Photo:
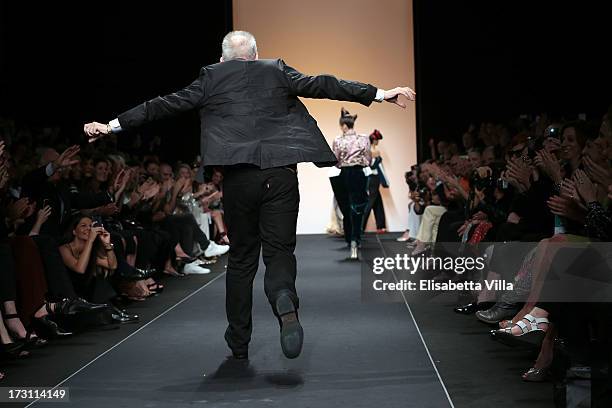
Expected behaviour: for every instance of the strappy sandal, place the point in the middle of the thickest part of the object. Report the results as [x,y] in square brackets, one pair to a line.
[223,239]
[530,332]
[174,273]
[156,287]
[31,339]
[536,374]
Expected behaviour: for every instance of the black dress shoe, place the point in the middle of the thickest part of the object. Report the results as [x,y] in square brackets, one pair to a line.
[69,307]
[124,318]
[497,313]
[136,274]
[292,334]
[240,355]
[121,316]
[472,308]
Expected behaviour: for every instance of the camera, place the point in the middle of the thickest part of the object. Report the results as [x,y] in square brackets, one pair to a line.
[423,191]
[502,184]
[481,183]
[534,145]
[412,185]
[552,131]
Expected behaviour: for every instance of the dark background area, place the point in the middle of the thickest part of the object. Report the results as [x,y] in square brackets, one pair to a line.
[66,64]
[488,60]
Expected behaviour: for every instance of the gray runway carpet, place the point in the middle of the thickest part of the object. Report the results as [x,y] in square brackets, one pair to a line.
[355,353]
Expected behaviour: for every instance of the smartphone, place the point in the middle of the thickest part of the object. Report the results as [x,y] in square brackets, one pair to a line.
[45,202]
[96,221]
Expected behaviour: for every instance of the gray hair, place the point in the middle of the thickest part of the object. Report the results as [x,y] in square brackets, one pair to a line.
[239,44]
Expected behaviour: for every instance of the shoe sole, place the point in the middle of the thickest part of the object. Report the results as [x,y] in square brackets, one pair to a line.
[292,334]
[531,339]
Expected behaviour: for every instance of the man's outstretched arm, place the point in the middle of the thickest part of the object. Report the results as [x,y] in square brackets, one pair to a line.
[330,87]
[158,108]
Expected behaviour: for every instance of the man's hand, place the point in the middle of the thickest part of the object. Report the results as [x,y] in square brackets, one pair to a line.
[96,130]
[392,95]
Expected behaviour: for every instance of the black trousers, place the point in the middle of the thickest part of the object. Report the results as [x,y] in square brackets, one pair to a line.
[184,229]
[261,209]
[375,203]
[356,185]
[339,189]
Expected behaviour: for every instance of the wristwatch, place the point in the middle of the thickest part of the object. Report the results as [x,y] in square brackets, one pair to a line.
[109,129]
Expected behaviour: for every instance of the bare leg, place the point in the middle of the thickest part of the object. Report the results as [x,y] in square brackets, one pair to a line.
[486,295]
[4,335]
[217,217]
[178,250]
[14,325]
[131,258]
[546,351]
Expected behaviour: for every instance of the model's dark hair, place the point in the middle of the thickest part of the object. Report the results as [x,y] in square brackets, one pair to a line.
[375,135]
[347,119]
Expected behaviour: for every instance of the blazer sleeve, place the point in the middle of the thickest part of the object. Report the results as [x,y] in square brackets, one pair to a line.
[165,106]
[327,87]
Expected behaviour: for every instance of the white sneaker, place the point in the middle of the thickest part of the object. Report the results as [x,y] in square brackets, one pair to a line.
[195,268]
[215,249]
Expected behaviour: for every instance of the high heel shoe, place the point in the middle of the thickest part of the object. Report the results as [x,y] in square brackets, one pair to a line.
[535,375]
[47,327]
[13,351]
[30,339]
[354,252]
[156,287]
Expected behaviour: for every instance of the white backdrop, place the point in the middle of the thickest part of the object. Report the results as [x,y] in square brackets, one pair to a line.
[365,40]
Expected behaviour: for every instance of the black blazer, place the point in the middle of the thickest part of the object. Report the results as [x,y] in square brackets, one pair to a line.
[250,112]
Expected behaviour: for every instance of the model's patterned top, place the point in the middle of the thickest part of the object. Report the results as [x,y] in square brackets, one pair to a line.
[352,149]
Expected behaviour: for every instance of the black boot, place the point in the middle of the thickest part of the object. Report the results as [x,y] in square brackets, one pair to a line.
[473,307]
[497,313]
